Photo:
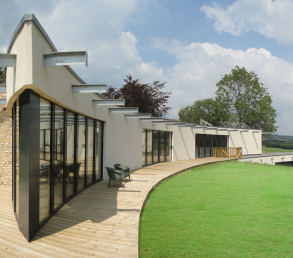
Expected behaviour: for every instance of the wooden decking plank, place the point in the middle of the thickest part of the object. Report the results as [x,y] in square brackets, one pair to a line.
[99,222]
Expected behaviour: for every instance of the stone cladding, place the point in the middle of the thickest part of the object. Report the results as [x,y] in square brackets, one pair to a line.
[5,145]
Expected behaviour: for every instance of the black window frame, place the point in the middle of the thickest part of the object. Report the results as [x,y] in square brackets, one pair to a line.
[31,108]
[151,132]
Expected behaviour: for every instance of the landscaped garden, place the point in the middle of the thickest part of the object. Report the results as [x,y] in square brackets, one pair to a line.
[229,209]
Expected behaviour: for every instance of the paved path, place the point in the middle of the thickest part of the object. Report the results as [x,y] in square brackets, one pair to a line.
[99,222]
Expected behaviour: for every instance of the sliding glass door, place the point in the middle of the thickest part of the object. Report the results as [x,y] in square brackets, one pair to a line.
[156,146]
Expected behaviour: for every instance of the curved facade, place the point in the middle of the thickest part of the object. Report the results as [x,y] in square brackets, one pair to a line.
[57,153]
[62,141]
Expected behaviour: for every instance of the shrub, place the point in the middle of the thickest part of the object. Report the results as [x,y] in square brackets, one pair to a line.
[273,144]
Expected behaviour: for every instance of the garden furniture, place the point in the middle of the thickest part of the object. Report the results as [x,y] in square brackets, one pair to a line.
[115,174]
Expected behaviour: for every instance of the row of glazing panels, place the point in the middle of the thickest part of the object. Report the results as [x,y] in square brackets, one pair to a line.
[156,146]
[70,156]
[204,144]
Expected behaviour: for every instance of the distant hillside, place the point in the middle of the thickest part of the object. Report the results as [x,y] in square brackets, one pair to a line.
[278,141]
[276,137]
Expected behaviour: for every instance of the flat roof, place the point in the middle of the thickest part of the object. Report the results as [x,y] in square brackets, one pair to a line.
[267,154]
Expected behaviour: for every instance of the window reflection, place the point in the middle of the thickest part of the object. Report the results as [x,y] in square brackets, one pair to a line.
[168,146]
[205,143]
[81,152]
[208,145]
[58,156]
[162,146]
[45,126]
[149,147]
[155,146]
[158,146]
[144,147]
[201,146]
[98,150]
[69,168]
[197,137]
[90,151]
[51,166]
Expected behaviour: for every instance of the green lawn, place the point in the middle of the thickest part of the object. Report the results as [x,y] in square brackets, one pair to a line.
[271,149]
[229,209]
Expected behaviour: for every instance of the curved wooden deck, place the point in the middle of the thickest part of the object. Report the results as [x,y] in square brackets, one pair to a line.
[99,222]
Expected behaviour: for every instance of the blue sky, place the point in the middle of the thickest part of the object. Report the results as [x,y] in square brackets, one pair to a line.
[189,44]
[185,21]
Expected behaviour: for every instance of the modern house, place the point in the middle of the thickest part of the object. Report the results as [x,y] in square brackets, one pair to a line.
[58,134]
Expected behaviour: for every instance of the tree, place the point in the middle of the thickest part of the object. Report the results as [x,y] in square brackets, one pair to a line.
[241,93]
[206,109]
[147,97]
[2,75]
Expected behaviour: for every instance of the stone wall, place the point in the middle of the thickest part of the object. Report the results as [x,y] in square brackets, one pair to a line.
[5,145]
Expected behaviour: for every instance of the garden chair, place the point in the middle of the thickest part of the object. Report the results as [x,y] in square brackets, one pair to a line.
[70,169]
[58,172]
[124,169]
[115,174]
[44,172]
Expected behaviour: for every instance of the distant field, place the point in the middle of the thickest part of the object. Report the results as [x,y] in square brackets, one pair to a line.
[271,149]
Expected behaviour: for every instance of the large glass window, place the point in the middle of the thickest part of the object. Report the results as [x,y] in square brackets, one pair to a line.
[69,168]
[225,141]
[90,151]
[44,141]
[58,156]
[168,146]
[201,145]
[215,141]
[220,141]
[143,151]
[80,152]
[45,169]
[162,146]
[204,144]
[98,150]
[197,137]
[208,145]
[149,147]
[68,144]
[157,145]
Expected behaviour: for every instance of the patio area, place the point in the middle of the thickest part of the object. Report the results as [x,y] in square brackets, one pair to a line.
[99,222]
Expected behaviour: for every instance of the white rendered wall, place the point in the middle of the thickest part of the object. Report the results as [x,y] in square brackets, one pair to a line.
[20,76]
[251,141]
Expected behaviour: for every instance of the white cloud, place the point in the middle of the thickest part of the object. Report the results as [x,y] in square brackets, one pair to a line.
[113,54]
[97,26]
[283,119]
[272,19]
[71,24]
[201,65]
